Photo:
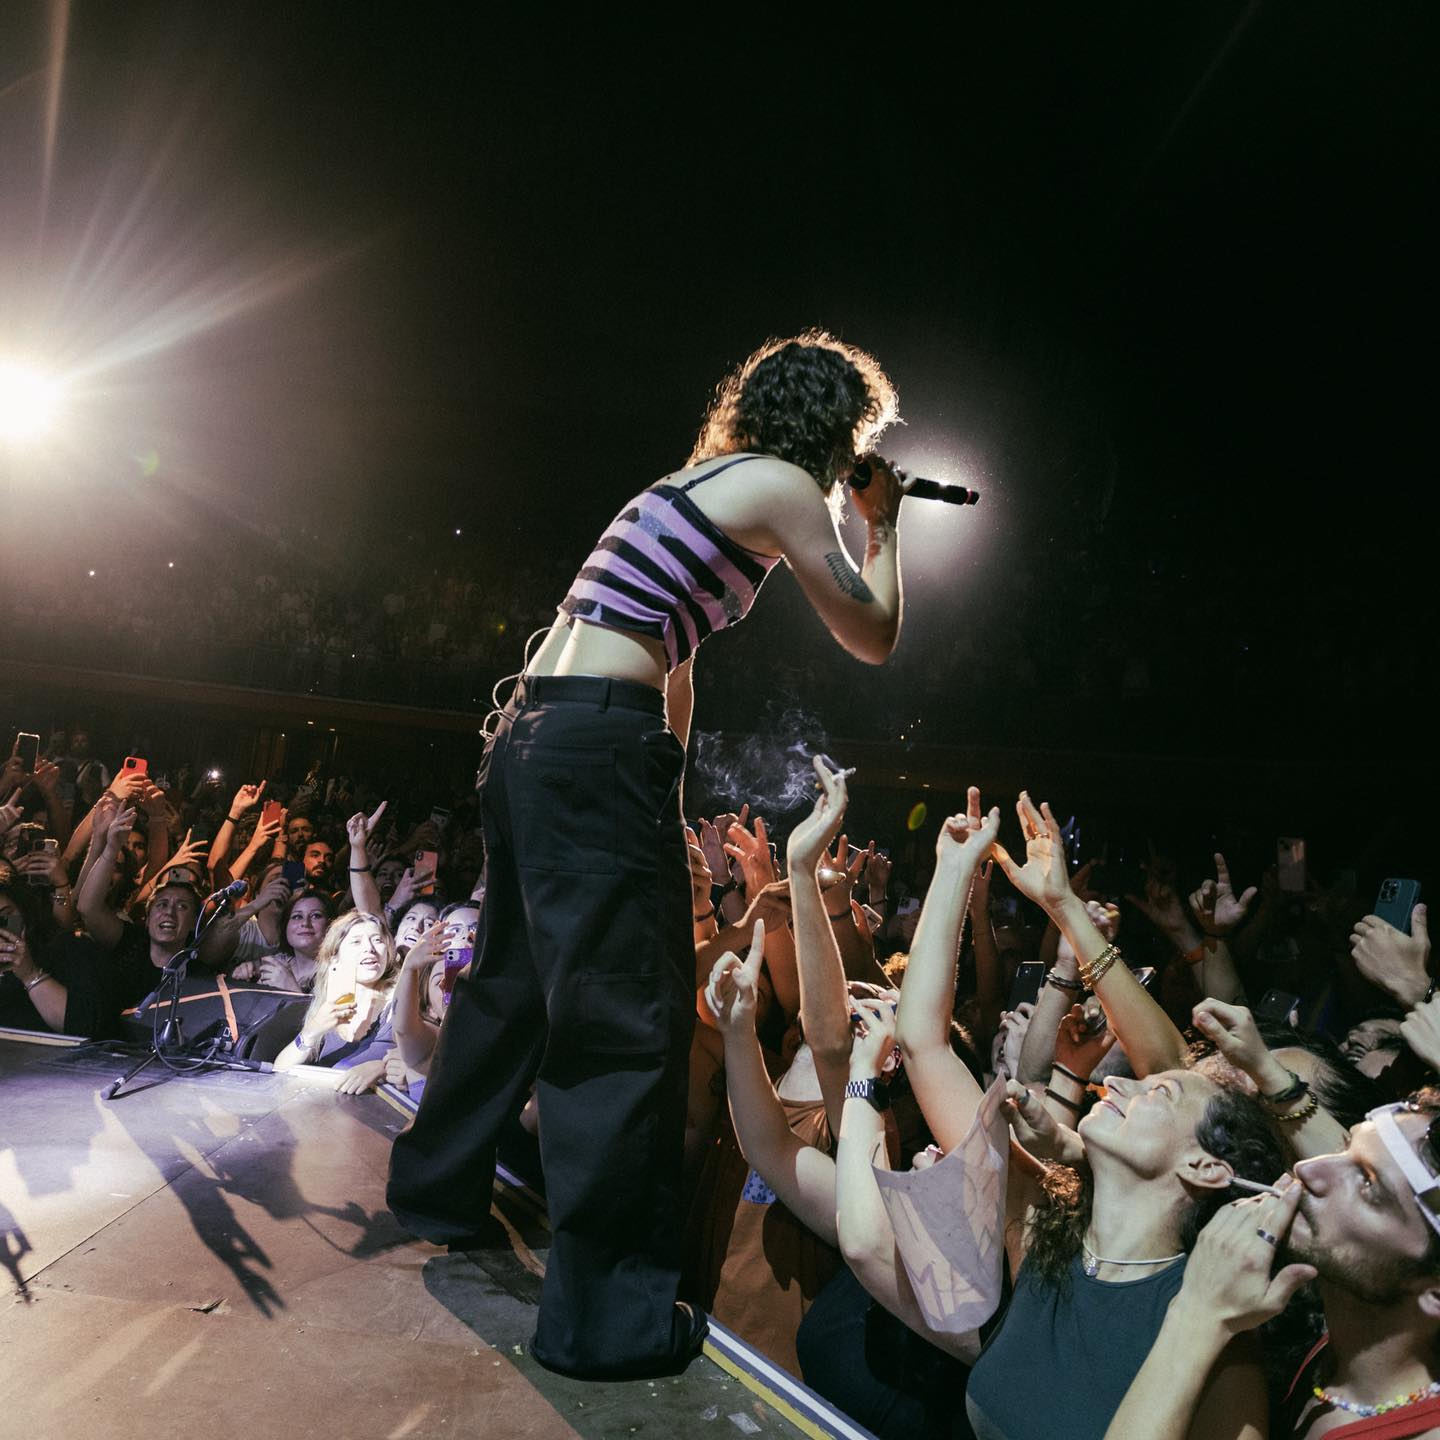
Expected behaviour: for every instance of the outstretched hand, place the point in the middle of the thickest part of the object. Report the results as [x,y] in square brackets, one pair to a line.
[1042,878]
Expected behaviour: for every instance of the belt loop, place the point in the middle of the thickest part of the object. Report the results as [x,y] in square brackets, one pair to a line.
[605,693]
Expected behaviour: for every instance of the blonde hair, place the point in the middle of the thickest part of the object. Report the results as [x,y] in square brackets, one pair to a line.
[330,948]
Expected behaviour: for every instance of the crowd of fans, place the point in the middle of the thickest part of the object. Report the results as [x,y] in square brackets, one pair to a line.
[860,1028]
[435,618]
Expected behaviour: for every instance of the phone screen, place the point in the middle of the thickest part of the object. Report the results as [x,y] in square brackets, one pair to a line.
[1026,986]
[1290,860]
[27,747]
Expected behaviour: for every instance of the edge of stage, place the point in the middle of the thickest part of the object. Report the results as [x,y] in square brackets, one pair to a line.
[214,1251]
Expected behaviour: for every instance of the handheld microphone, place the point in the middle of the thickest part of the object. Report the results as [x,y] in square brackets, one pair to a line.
[232,891]
[920,488]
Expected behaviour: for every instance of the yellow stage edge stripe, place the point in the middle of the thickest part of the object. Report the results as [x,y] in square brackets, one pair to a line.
[758,1387]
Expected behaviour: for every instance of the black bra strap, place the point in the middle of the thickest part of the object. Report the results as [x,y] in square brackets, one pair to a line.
[709,474]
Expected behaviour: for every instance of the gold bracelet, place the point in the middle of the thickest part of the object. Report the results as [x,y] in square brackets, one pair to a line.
[1093,972]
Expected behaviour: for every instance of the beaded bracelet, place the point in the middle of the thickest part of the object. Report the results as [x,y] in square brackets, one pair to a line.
[1310,1106]
[1060,983]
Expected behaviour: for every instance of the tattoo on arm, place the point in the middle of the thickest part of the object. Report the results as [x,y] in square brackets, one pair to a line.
[849,582]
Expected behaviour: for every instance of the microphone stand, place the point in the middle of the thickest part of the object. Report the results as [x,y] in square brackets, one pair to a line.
[167,1042]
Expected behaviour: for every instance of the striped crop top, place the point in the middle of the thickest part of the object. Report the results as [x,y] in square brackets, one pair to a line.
[664,570]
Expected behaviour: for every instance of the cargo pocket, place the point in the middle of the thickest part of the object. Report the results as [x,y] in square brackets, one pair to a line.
[623,1014]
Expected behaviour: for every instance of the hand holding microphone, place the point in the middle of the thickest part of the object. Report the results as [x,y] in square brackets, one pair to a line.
[870,468]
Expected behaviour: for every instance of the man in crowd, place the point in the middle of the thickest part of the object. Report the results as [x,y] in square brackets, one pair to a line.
[1364,1224]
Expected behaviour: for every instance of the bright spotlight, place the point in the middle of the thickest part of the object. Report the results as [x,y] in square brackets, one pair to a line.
[29,400]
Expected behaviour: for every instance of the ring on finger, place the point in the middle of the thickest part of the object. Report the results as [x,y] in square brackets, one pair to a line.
[1266,1236]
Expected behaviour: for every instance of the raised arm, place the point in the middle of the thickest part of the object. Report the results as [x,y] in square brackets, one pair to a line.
[360,827]
[945,1089]
[1219,912]
[103,924]
[800,1175]
[1148,1036]
[415,1036]
[867,1239]
[824,1000]
[1307,1128]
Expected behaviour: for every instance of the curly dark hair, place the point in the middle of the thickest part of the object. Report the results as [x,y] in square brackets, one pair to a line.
[1233,1128]
[811,399]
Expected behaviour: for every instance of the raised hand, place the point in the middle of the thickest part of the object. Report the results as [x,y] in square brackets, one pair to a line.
[48,864]
[1161,905]
[1080,880]
[13,774]
[809,839]
[771,906]
[46,776]
[712,846]
[191,854]
[247,797]
[873,1051]
[701,877]
[877,871]
[838,876]
[1078,1047]
[753,853]
[129,786]
[426,950]
[1420,1030]
[1227,1279]
[1398,963]
[1215,906]
[120,824]
[1042,878]
[968,836]
[1013,1025]
[360,828]
[1232,1029]
[732,992]
[1037,1129]
[10,812]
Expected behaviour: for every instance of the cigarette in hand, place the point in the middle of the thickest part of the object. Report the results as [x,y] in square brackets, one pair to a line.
[846,774]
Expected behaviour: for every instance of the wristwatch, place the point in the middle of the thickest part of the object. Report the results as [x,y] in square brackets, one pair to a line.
[873,1092]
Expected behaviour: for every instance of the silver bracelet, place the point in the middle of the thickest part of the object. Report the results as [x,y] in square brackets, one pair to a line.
[40,979]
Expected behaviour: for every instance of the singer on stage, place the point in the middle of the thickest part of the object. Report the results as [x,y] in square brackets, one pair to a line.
[584,976]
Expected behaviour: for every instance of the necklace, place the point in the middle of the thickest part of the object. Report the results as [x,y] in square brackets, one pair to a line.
[1093,1262]
[1398,1403]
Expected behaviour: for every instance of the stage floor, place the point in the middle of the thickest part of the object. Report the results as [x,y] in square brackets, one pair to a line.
[212,1256]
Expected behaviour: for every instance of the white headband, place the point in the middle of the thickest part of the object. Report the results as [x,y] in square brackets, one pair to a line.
[1423,1185]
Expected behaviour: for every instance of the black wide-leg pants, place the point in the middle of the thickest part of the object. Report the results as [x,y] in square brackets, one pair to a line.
[584,984]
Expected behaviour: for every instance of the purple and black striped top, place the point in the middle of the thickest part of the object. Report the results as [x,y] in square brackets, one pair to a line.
[664,570]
